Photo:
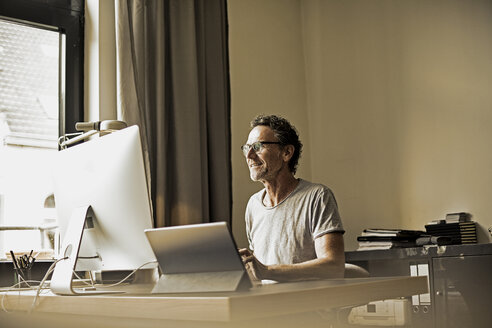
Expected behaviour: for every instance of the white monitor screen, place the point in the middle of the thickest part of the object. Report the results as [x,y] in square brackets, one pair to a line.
[108,174]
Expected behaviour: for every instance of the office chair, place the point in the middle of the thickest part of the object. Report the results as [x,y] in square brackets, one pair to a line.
[355,271]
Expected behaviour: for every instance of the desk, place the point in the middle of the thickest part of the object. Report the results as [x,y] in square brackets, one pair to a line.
[269,304]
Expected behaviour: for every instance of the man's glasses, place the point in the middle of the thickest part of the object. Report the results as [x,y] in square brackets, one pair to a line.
[257,146]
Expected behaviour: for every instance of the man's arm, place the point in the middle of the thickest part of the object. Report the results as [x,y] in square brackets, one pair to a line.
[330,262]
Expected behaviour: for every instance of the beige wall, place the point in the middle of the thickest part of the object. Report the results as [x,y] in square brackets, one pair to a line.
[393,98]
[267,76]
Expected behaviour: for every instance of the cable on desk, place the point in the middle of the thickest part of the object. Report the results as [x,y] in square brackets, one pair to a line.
[14,288]
[83,280]
[124,279]
[93,284]
[51,268]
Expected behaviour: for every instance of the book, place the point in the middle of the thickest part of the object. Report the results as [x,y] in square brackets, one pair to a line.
[366,245]
[458,217]
[372,238]
[453,235]
[458,232]
[391,232]
[456,225]
[386,238]
[438,221]
[373,246]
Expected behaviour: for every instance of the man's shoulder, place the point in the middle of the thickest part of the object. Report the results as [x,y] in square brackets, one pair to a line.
[313,187]
[257,196]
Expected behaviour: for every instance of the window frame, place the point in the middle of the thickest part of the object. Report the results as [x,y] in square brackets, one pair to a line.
[67,16]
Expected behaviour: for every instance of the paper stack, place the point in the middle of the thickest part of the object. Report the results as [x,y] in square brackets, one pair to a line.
[372,239]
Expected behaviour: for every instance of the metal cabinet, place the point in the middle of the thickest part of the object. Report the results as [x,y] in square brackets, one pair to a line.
[460,281]
[463,291]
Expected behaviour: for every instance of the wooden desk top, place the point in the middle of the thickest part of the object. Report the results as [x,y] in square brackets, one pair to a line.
[262,302]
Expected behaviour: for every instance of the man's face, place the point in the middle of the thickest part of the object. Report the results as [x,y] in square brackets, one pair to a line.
[264,165]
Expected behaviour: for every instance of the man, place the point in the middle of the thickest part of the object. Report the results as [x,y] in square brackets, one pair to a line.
[293,226]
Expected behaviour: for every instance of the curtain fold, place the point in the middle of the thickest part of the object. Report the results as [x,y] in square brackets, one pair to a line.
[172,64]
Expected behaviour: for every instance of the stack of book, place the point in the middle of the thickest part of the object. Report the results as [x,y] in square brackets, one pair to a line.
[372,239]
[457,226]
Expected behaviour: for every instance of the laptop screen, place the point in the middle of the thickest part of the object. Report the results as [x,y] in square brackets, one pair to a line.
[207,247]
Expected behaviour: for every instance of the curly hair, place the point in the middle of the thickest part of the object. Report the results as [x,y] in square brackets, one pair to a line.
[286,134]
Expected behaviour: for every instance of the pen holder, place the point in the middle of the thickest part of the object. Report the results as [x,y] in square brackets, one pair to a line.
[22,277]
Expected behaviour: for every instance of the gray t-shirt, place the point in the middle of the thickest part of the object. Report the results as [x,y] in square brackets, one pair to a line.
[285,233]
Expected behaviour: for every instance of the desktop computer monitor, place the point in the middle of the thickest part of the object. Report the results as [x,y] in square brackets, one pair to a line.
[107,174]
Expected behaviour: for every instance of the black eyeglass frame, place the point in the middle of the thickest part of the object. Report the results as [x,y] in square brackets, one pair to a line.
[246,148]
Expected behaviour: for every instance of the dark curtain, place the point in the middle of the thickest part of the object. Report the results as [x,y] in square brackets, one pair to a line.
[173,81]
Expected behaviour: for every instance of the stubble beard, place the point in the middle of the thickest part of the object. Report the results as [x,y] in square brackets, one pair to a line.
[257,175]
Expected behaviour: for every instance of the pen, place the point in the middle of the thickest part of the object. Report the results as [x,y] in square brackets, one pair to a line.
[16,266]
[23,262]
[14,260]
[30,260]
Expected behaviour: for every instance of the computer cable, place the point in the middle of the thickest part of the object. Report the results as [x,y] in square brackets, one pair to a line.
[48,272]
[124,279]
[38,291]
[16,288]
[82,280]
[94,284]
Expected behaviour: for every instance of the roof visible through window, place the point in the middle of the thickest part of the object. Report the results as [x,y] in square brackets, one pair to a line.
[29,85]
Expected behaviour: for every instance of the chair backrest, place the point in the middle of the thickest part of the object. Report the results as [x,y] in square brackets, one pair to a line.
[355,271]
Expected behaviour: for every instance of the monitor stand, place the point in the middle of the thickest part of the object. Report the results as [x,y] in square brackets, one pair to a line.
[61,281]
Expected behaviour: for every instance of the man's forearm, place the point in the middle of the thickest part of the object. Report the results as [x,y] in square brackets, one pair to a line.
[314,269]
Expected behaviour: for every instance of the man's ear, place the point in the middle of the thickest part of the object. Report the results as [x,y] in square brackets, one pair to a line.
[288,152]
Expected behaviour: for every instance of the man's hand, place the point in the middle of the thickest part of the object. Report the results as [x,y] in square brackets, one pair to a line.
[330,262]
[255,268]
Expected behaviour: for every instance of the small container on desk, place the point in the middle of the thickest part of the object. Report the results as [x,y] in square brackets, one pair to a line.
[22,269]
[22,278]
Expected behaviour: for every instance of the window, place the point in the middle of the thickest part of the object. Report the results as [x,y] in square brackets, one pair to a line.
[41,98]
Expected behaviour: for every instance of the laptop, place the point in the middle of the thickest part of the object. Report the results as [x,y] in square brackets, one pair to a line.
[198,258]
